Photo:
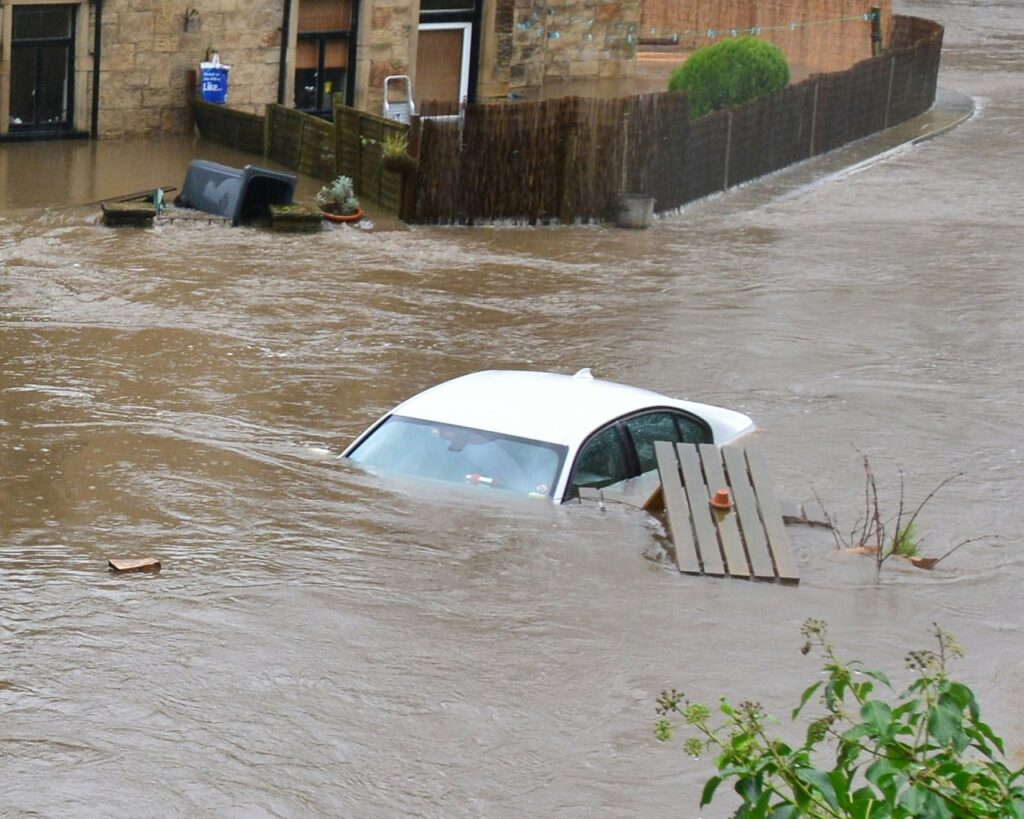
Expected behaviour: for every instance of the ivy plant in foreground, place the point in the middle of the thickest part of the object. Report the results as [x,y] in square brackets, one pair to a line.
[924,752]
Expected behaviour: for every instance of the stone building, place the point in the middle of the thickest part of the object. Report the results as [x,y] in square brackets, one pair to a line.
[816,36]
[127,67]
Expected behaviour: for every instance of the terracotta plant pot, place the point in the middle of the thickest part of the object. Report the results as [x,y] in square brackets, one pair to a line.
[331,216]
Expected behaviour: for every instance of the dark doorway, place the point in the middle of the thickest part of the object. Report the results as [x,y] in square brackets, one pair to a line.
[42,68]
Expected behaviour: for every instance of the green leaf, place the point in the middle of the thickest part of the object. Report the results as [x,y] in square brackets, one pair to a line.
[935,807]
[821,783]
[988,734]
[878,770]
[880,676]
[709,790]
[887,778]
[808,693]
[785,811]
[866,806]
[749,788]
[945,724]
[841,785]
[913,799]
[877,715]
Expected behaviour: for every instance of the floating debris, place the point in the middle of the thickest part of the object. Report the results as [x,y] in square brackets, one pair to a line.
[134,564]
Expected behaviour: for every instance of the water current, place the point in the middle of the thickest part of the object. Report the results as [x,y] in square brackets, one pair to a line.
[322,641]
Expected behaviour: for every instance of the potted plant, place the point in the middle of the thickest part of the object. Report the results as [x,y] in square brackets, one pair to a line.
[338,201]
[394,153]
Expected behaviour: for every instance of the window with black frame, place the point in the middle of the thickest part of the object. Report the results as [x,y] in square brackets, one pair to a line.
[325,41]
[42,65]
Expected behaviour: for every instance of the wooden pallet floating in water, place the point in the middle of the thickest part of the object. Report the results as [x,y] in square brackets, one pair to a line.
[747,540]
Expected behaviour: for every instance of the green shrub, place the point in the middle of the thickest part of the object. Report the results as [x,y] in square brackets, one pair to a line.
[875,752]
[730,72]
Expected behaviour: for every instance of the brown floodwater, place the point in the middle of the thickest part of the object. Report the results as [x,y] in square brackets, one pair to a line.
[322,641]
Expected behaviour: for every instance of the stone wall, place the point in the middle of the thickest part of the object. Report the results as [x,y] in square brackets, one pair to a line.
[816,36]
[148,51]
[541,43]
[386,42]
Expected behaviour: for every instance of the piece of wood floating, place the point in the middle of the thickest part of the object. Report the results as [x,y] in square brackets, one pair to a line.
[703,514]
[745,539]
[135,564]
[726,522]
[295,218]
[785,565]
[135,214]
[678,509]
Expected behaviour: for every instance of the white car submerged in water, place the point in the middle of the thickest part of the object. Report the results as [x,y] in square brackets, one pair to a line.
[536,433]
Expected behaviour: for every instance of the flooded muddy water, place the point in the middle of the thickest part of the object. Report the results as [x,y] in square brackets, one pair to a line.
[322,641]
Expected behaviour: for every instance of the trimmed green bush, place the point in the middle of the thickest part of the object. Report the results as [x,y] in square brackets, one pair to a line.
[730,72]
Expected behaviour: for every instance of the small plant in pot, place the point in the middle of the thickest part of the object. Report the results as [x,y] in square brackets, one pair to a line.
[338,200]
[394,153]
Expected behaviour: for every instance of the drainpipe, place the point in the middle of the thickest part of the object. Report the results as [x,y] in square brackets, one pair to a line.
[282,68]
[94,125]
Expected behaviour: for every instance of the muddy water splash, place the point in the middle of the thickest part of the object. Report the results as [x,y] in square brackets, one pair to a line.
[324,641]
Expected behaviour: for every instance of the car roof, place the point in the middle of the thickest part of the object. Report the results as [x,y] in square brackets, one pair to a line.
[552,407]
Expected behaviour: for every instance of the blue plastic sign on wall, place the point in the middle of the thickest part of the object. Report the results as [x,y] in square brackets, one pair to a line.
[213,79]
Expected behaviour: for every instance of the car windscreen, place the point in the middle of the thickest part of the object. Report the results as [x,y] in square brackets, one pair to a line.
[445,452]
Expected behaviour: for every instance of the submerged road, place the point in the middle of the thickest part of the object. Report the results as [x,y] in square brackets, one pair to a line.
[322,641]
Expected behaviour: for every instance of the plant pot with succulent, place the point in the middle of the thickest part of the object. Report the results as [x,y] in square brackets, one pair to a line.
[338,201]
[394,153]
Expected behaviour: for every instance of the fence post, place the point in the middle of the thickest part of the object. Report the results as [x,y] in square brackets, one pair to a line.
[814,118]
[268,114]
[407,200]
[728,150]
[565,211]
[624,180]
[888,98]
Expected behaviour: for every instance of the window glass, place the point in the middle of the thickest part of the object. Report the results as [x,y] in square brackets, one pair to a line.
[324,15]
[663,426]
[447,5]
[601,462]
[42,22]
[645,430]
[692,430]
[456,454]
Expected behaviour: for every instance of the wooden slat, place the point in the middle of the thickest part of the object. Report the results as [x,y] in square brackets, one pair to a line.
[785,565]
[676,506]
[700,510]
[754,537]
[732,545]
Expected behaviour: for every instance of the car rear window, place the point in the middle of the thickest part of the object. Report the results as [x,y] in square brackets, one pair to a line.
[429,449]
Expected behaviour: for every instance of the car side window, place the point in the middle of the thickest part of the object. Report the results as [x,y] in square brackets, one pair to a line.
[663,426]
[602,461]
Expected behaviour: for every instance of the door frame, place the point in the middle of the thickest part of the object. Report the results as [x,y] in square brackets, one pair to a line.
[467,51]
